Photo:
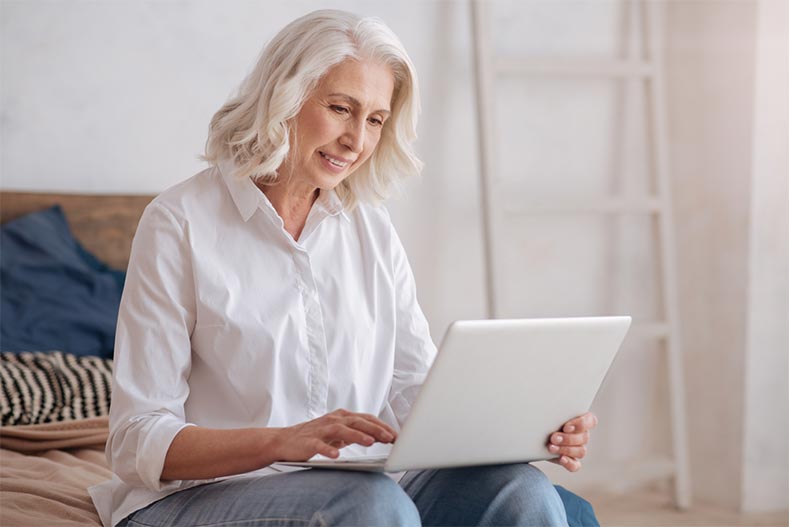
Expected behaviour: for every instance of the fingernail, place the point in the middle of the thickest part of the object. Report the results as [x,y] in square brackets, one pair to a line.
[570,428]
[558,438]
[388,436]
[554,448]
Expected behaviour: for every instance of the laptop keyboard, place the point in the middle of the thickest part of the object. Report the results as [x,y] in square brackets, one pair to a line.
[355,460]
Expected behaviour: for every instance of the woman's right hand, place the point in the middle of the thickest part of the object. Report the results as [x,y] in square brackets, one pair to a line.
[329,433]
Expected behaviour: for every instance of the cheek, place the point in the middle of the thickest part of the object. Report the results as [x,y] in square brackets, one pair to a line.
[315,130]
[371,144]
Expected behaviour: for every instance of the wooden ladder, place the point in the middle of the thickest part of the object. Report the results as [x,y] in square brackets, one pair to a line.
[637,70]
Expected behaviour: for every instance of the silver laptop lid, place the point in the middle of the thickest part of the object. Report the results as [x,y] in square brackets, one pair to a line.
[498,388]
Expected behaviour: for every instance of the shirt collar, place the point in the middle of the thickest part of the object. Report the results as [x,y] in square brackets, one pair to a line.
[248,197]
[331,204]
[245,194]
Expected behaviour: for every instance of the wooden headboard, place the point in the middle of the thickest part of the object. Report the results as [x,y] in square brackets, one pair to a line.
[104,225]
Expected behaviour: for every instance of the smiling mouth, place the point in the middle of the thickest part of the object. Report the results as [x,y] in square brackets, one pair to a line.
[335,161]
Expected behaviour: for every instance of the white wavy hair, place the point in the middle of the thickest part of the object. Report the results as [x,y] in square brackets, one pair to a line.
[253,127]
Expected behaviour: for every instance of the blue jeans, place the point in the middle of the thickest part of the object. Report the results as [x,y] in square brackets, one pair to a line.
[517,494]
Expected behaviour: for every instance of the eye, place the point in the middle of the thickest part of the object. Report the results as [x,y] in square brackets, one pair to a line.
[339,109]
[375,121]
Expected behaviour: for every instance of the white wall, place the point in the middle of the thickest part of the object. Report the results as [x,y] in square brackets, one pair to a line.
[728,116]
[116,97]
[711,91]
[765,460]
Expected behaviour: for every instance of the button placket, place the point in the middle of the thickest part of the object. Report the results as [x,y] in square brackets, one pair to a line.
[318,357]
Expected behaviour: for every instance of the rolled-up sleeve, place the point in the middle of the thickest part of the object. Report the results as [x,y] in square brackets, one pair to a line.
[414,349]
[152,351]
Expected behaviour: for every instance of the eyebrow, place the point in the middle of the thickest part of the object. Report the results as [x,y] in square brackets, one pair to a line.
[355,102]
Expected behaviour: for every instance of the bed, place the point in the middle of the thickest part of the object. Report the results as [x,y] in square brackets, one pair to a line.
[46,467]
[55,398]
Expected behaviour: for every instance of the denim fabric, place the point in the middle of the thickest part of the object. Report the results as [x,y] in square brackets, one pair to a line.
[516,494]
[579,511]
[304,498]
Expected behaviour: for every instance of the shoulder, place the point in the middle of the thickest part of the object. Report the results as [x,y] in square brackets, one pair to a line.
[195,192]
[373,221]
[199,196]
[376,223]
[374,216]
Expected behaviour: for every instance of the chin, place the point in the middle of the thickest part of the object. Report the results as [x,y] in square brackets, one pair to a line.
[330,182]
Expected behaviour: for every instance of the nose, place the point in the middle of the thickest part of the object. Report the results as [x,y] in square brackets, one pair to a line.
[353,137]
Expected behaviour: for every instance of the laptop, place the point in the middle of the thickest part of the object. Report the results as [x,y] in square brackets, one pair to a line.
[496,391]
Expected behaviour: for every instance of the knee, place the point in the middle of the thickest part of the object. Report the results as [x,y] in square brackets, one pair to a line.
[536,498]
[375,499]
[389,503]
[525,497]
[536,481]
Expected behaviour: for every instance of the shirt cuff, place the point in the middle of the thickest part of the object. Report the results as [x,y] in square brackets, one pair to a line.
[155,441]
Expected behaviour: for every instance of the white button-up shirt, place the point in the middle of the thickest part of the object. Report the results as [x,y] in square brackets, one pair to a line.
[227,322]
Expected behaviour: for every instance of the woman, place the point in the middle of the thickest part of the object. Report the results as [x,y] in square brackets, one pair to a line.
[270,313]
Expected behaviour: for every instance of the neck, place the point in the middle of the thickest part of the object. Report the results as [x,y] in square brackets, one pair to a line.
[292,201]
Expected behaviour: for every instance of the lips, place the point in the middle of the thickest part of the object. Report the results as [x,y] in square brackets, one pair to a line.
[338,162]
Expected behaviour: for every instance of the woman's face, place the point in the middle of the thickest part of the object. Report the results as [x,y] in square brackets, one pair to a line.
[340,124]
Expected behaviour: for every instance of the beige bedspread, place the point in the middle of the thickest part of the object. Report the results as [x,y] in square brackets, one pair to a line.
[45,471]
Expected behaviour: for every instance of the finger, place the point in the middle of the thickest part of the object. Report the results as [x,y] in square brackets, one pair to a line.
[378,422]
[380,433]
[325,449]
[561,439]
[344,415]
[341,432]
[581,423]
[568,463]
[577,452]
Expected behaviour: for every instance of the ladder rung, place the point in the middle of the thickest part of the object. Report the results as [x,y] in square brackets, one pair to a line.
[583,206]
[574,67]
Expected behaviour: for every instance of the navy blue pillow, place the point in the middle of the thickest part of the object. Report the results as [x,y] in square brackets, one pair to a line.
[55,295]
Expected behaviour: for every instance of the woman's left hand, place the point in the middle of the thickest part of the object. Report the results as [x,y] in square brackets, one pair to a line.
[570,443]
